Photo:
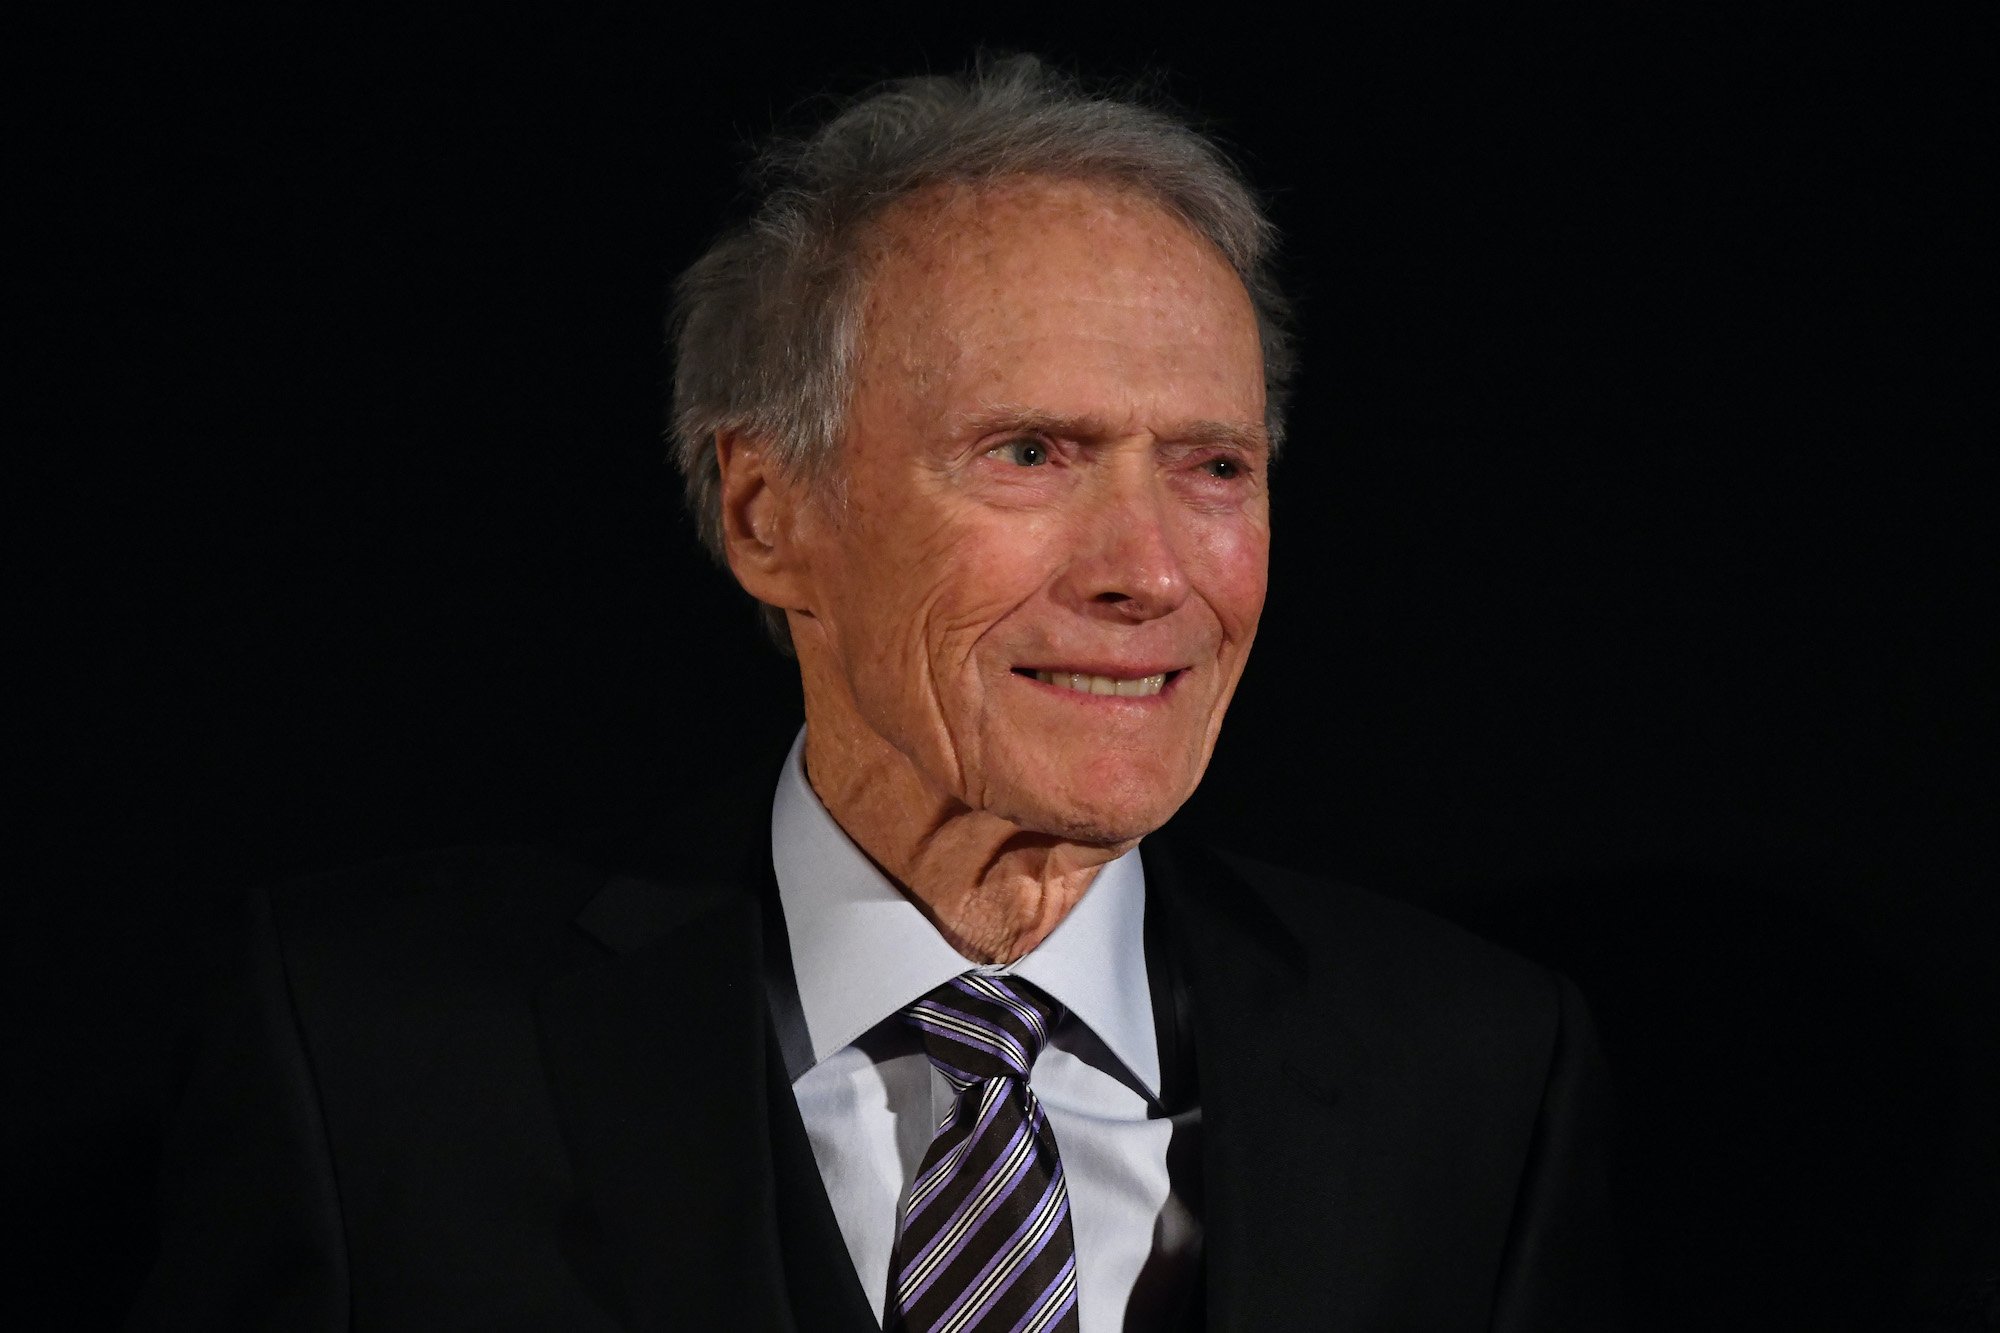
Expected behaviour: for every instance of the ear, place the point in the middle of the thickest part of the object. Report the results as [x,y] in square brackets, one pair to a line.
[759,528]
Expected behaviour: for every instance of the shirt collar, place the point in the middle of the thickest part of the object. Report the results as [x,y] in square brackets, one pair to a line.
[862,951]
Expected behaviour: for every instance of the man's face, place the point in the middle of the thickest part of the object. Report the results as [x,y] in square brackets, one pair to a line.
[1054,476]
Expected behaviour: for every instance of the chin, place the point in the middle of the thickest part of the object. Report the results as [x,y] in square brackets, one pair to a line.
[1100,815]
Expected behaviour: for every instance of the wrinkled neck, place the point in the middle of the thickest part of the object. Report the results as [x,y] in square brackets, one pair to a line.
[992,889]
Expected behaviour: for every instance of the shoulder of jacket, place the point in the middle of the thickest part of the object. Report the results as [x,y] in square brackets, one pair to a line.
[469,877]
[1400,952]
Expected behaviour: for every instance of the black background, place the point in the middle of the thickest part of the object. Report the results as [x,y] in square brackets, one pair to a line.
[1630,600]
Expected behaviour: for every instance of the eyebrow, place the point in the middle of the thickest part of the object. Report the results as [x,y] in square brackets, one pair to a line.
[1250,437]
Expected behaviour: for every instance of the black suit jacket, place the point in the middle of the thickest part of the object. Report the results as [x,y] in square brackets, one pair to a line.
[504,1089]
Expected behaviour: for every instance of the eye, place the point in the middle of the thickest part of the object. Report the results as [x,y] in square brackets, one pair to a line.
[1024,452]
[1226,469]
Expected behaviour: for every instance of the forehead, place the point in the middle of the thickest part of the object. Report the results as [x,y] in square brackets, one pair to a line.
[1036,270]
[962,229]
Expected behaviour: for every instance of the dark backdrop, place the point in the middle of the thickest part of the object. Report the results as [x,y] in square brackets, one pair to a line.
[1629,602]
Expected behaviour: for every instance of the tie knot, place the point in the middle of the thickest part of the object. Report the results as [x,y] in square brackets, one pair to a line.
[978,1027]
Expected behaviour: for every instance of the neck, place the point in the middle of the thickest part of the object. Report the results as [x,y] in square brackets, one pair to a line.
[993,889]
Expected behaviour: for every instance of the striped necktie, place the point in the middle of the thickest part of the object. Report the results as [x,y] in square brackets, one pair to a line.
[985,1243]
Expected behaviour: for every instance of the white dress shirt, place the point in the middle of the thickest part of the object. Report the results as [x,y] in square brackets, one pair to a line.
[861,952]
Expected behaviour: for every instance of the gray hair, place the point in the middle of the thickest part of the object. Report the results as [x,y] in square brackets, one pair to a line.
[766,324]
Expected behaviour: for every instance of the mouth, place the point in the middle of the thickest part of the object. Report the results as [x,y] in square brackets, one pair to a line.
[1145,686]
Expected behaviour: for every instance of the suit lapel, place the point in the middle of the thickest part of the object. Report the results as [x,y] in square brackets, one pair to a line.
[657,1064]
[818,1270]
[1281,1089]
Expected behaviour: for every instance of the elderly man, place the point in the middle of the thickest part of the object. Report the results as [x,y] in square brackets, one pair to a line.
[980,405]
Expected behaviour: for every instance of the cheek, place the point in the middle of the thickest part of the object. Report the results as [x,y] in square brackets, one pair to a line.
[1234,572]
[982,567]
[921,589]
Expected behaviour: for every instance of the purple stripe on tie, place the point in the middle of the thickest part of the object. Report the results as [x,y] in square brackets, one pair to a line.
[967,1189]
[920,1197]
[1007,1058]
[1006,1188]
[993,992]
[973,1208]
[1003,1004]
[1043,1220]
[1052,1303]
[984,1014]
[996,1041]
[959,1079]
[962,1053]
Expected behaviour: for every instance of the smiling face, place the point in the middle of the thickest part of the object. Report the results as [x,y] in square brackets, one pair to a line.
[1034,586]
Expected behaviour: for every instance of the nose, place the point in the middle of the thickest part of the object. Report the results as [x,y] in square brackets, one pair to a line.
[1127,563]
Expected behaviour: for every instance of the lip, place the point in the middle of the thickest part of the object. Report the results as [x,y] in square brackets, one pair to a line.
[1100,667]
[1081,699]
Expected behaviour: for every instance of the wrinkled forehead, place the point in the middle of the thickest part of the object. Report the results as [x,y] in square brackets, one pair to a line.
[973,264]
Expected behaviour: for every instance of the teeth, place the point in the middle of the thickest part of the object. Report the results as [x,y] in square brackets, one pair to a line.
[1137,688]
